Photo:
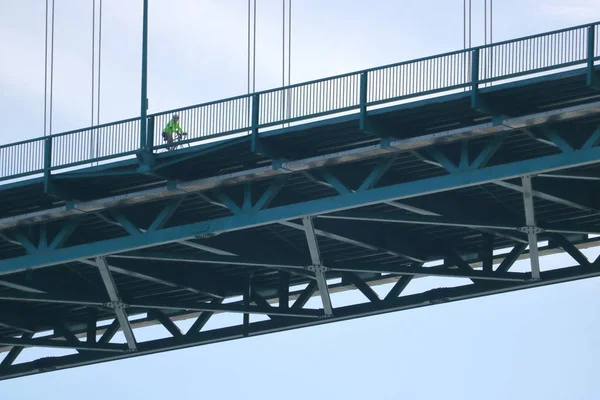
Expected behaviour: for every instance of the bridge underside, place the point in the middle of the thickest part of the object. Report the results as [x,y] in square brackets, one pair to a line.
[434,202]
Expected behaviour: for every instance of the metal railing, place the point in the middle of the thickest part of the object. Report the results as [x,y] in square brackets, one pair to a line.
[300,102]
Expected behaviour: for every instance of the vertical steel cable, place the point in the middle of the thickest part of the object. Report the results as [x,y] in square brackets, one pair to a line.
[99,65]
[91,156]
[491,19]
[283,44]
[93,53]
[248,101]
[470,36]
[248,47]
[283,97]
[254,52]
[51,66]
[99,61]
[46,73]
[464,41]
[289,106]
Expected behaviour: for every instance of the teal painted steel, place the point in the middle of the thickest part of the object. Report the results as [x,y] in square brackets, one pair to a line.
[307,101]
[592,78]
[352,200]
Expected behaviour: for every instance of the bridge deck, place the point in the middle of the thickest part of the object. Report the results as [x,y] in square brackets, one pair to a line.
[218,228]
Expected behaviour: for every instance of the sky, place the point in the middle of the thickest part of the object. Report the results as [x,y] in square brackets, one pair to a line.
[540,343]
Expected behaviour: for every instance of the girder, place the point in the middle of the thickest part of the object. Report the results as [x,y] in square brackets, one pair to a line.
[361,202]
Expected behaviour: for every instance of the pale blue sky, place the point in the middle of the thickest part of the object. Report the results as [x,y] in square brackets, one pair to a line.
[540,343]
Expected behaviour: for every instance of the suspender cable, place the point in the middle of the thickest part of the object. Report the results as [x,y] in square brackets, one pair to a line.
[92,133]
[254,52]
[283,94]
[283,44]
[51,66]
[46,72]
[464,24]
[290,44]
[289,104]
[485,21]
[99,61]
[491,19]
[470,36]
[248,47]
[93,53]
[465,40]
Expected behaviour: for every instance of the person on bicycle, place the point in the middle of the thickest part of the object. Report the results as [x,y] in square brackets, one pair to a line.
[172,127]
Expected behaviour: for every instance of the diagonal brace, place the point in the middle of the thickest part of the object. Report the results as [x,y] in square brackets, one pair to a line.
[319,270]
[531,230]
[270,193]
[63,235]
[115,299]
[165,214]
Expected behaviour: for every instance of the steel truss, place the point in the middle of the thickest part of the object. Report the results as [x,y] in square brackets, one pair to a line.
[366,204]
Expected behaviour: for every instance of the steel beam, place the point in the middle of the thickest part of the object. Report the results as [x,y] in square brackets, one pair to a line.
[12,355]
[270,193]
[187,243]
[511,258]
[571,175]
[176,283]
[365,152]
[202,319]
[92,322]
[531,228]
[284,290]
[377,173]
[416,210]
[315,256]
[299,210]
[20,287]
[457,222]
[212,260]
[573,251]
[363,287]
[63,235]
[342,313]
[405,253]
[549,197]
[61,344]
[305,295]
[166,322]
[232,308]
[113,294]
[398,287]
[166,213]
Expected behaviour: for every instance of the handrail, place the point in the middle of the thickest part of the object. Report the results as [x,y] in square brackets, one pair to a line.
[444,72]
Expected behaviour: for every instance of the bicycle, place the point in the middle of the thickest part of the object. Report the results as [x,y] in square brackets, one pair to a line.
[179,137]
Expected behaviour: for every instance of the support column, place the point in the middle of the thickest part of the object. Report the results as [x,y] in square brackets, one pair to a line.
[116,302]
[531,228]
[317,265]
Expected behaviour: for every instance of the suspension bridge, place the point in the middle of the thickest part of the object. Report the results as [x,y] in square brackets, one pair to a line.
[453,166]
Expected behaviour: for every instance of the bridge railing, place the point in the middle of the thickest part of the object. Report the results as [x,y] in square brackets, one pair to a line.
[218,118]
[464,69]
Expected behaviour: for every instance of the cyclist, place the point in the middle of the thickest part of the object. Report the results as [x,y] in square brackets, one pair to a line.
[172,127]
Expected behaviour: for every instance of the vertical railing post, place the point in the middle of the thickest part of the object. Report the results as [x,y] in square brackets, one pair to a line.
[591,45]
[150,135]
[255,121]
[362,100]
[47,162]
[475,101]
[144,97]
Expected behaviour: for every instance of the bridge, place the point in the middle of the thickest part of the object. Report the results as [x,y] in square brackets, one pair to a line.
[451,167]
